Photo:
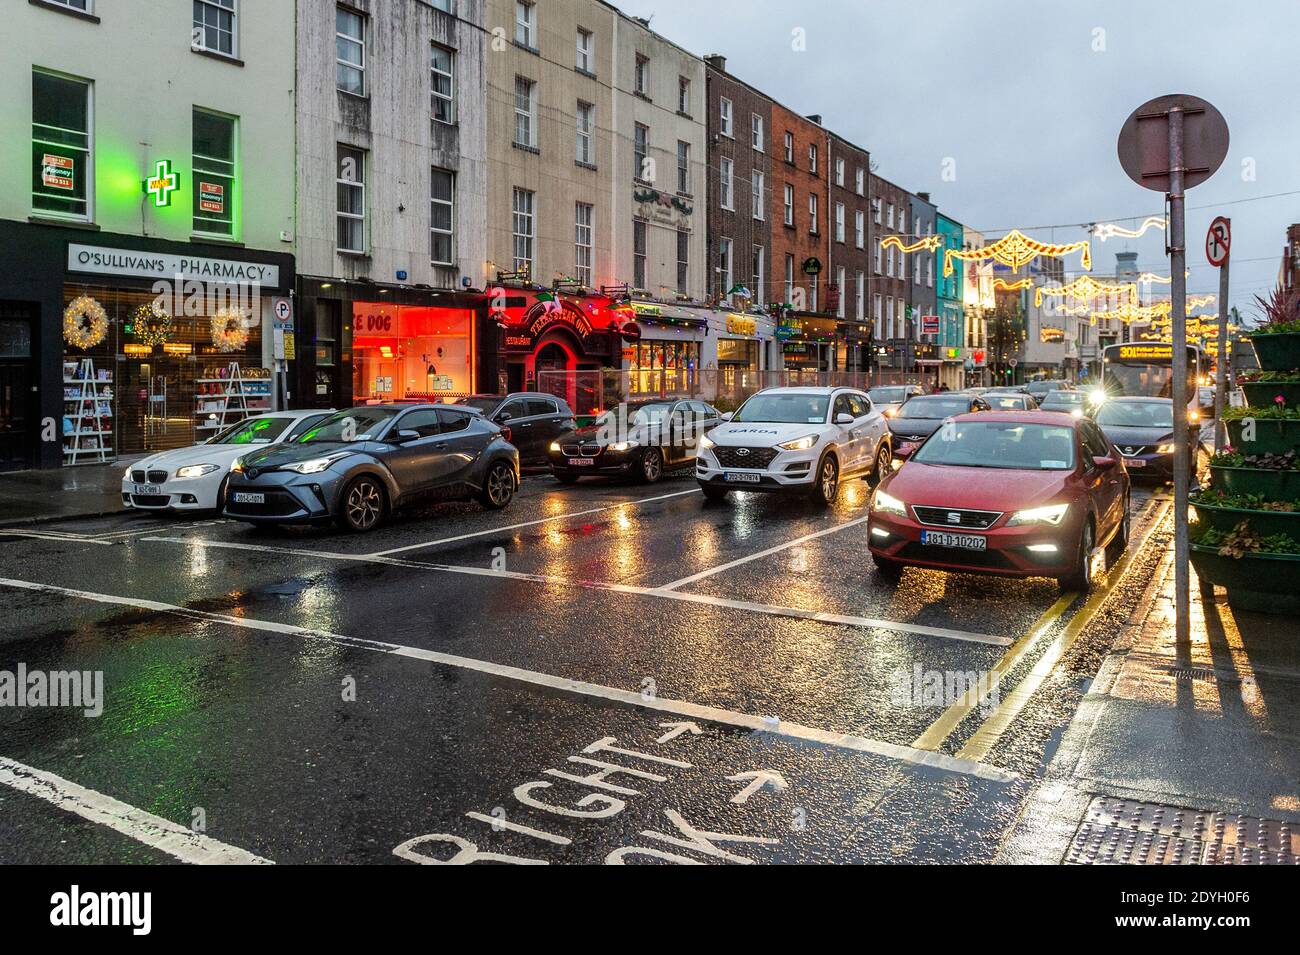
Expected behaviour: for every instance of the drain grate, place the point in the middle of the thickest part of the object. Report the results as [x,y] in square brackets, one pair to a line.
[1127,832]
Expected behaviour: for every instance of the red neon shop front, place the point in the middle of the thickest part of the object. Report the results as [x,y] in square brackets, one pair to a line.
[559,345]
[412,352]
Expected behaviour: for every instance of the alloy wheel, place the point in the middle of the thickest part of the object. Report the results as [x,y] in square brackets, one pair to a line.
[829,480]
[651,465]
[364,505]
[500,485]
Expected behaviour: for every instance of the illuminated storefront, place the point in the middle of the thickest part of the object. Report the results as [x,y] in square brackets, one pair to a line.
[412,352]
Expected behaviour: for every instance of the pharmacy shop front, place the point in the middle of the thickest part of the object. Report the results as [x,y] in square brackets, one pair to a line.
[142,346]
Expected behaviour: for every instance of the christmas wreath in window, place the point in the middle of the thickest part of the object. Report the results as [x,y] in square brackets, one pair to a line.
[152,324]
[229,330]
[85,323]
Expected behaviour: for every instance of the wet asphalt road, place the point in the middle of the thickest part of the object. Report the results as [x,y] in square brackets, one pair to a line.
[309,696]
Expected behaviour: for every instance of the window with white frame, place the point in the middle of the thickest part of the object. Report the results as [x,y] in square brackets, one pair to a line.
[879,256]
[860,184]
[525,112]
[902,219]
[725,284]
[889,263]
[62,145]
[889,316]
[812,212]
[861,311]
[860,229]
[889,219]
[839,222]
[757,189]
[350,51]
[525,24]
[789,147]
[726,184]
[839,285]
[724,117]
[876,209]
[756,289]
[756,131]
[586,51]
[640,152]
[916,269]
[85,6]
[215,24]
[683,261]
[524,229]
[442,84]
[640,240]
[442,216]
[215,141]
[839,172]
[583,151]
[641,75]
[789,204]
[789,278]
[683,166]
[813,292]
[812,157]
[351,205]
[584,213]
[683,95]
[929,271]
[875,317]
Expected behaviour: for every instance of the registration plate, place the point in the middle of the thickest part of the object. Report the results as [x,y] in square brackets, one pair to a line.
[581,462]
[249,497]
[907,447]
[739,477]
[147,489]
[1134,463]
[959,541]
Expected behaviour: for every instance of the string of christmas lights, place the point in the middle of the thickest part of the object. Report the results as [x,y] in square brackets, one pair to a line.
[1016,250]
[1085,286]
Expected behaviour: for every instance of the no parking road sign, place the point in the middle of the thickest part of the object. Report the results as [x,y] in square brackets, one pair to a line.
[1218,240]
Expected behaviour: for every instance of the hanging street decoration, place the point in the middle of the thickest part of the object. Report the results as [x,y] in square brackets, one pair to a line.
[1128,312]
[162,183]
[1002,285]
[928,242]
[85,323]
[1016,250]
[1106,230]
[1085,286]
[152,324]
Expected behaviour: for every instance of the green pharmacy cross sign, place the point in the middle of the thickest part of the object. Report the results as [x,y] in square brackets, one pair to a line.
[162,183]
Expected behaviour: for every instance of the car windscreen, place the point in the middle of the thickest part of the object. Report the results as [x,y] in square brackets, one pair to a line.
[636,414]
[355,424]
[784,409]
[1000,444]
[934,407]
[1066,398]
[253,431]
[1005,402]
[887,395]
[1136,414]
[480,404]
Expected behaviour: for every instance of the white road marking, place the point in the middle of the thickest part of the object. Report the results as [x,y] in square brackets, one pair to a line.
[758,780]
[761,554]
[540,520]
[709,600]
[144,827]
[51,536]
[632,698]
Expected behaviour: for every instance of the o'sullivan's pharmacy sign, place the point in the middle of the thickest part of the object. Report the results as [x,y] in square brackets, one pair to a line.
[156,265]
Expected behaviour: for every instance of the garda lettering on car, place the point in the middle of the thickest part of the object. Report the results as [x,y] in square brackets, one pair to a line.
[752,431]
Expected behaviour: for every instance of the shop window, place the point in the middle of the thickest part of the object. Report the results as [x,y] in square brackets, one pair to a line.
[411,352]
[351,199]
[61,145]
[442,199]
[663,368]
[350,51]
[215,26]
[214,173]
[442,84]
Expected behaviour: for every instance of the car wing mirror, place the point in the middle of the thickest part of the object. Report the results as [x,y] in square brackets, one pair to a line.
[403,436]
[726,415]
[844,418]
[503,417]
[1104,462]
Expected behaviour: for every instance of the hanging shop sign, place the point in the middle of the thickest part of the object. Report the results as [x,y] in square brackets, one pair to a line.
[160,265]
[649,309]
[545,316]
[630,332]
[162,183]
[58,172]
[929,324]
[812,266]
[741,325]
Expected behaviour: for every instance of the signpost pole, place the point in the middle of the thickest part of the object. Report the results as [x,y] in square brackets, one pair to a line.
[1221,373]
[1178,317]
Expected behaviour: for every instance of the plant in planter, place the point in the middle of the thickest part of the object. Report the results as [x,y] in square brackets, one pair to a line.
[1277,340]
[1272,427]
[1271,386]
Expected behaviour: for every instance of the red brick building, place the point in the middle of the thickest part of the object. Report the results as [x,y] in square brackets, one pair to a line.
[851,232]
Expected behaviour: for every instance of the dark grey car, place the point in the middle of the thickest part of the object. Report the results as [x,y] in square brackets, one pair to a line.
[534,419]
[358,466]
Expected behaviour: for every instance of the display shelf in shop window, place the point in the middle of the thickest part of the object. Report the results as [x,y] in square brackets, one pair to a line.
[226,395]
[87,413]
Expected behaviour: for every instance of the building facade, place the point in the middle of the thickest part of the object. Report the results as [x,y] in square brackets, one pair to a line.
[851,241]
[951,339]
[891,210]
[147,220]
[921,288]
[978,303]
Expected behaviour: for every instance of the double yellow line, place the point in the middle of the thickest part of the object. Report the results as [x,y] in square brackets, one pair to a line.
[1006,710]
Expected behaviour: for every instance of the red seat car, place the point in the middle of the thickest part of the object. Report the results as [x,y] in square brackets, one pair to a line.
[1022,494]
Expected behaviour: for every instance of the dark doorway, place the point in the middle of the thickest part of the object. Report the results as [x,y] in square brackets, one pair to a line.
[19,424]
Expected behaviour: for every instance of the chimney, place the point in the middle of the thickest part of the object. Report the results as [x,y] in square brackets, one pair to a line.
[716,61]
[923,196]
[815,117]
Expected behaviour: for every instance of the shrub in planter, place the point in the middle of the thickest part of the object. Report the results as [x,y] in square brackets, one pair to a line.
[1276,476]
[1222,511]
[1277,341]
[1265,388]
[1274,427]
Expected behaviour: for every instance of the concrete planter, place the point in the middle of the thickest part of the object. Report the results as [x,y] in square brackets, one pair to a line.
[1265,583]
[1272,435]
[1274,485]
[1277,352]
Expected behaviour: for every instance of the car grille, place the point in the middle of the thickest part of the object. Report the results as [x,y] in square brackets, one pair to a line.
[990,559]
[150,500]
[1131,451]
[140,476]
[278,504]
[755,458]
[942,517]
[587,449]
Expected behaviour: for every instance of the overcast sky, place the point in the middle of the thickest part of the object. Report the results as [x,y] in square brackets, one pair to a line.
[1016,94]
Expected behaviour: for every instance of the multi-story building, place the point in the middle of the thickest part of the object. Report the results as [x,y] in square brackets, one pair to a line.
[146,222]
[978,302]
[951,339]
[391,184]
[922,300]
[1288,276]
[851,263]
[800,190]
[891,208]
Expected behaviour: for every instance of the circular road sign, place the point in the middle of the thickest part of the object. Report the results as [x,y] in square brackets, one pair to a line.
[1218,240]
[1144,141]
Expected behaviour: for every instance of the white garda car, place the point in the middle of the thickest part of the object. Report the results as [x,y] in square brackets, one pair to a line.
[194,478]
[799,440]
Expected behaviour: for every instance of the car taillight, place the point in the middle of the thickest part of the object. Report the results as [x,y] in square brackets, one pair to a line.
[505,432]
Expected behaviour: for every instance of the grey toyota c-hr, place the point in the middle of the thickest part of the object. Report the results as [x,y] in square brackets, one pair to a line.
[358,466]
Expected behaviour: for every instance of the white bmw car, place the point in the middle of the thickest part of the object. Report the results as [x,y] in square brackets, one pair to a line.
[801,440]
[194,478]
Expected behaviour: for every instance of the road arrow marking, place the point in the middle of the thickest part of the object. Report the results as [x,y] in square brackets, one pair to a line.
[677,729]
[760,778]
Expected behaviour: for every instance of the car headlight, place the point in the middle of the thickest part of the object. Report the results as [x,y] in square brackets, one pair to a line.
[197,470]
[1165,449]
[888,504]
[890,412]
[1051,514]
[624,445]
[555,446]
[126,475]
[314,465]
[706,442]
[237,465]
[799,444]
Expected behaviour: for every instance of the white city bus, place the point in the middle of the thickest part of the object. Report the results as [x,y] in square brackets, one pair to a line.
[1145,370]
